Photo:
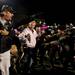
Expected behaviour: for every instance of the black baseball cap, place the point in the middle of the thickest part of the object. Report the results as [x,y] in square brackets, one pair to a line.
[26,20]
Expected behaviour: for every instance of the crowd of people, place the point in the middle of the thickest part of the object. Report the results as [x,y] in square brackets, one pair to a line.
[20,47]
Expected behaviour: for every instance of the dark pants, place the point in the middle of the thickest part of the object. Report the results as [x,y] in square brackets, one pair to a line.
[54,49]
[31,56]
[42,52]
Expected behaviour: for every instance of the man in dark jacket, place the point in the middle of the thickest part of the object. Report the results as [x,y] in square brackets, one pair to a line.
[5,39]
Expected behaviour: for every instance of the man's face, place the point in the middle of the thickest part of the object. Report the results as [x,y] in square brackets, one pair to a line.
[32,24]
[8,15]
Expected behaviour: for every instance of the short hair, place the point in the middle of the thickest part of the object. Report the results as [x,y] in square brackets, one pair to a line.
[7,8]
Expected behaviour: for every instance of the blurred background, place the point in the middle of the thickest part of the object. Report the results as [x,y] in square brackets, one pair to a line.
[53,11]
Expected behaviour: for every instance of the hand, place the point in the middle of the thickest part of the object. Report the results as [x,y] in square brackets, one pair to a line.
[29,37]
[13,50]
[4,32]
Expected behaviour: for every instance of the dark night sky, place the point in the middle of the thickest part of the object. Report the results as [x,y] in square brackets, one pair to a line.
[51,10]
